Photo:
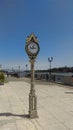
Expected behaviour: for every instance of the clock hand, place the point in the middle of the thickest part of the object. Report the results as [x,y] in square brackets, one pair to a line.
[32,47]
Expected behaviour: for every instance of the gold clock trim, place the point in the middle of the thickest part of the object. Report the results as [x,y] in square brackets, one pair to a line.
[32,36]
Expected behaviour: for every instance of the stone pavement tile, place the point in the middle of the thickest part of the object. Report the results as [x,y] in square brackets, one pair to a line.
[60,114]
[54,106]
[49,122]
[25,125]
[57,126]
[37,124]
[7,124]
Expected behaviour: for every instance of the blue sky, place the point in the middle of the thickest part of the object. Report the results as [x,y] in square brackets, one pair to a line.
[52,23]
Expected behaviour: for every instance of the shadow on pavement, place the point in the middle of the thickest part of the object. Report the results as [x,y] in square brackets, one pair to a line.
[18,115]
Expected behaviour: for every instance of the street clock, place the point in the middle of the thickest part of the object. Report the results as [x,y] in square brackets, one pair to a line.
[32,46]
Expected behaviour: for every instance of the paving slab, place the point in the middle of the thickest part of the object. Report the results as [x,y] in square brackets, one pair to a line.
[54,106]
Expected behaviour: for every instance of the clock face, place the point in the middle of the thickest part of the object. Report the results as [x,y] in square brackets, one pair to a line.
[33,48]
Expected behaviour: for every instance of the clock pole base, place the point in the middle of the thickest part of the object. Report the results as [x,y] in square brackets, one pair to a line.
[32,106]
[33,114]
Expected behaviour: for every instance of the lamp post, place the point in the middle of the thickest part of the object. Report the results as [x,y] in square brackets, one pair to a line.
[32,49]
[0,67]
[12,69]
[26,69]
[19,70]
[50,59]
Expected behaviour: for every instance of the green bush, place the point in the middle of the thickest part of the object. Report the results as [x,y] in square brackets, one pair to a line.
[2,78]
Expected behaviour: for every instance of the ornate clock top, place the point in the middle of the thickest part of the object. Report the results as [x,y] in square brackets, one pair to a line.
[32,38]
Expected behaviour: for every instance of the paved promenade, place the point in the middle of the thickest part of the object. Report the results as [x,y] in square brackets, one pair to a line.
[55,107]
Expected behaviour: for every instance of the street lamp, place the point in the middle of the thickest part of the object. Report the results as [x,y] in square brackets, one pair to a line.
[0,67]
[19,70]
[26,69]
[32,49]
[50,59]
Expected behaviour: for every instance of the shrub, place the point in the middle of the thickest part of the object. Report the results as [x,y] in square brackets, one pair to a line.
[2,78]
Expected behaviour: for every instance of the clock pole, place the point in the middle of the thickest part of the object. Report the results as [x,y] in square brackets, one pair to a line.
[32,96]
[32,48]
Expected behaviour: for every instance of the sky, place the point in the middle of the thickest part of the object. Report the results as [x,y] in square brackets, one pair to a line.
[50,20]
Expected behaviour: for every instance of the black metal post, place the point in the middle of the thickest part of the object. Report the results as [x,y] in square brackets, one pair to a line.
[50,60]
